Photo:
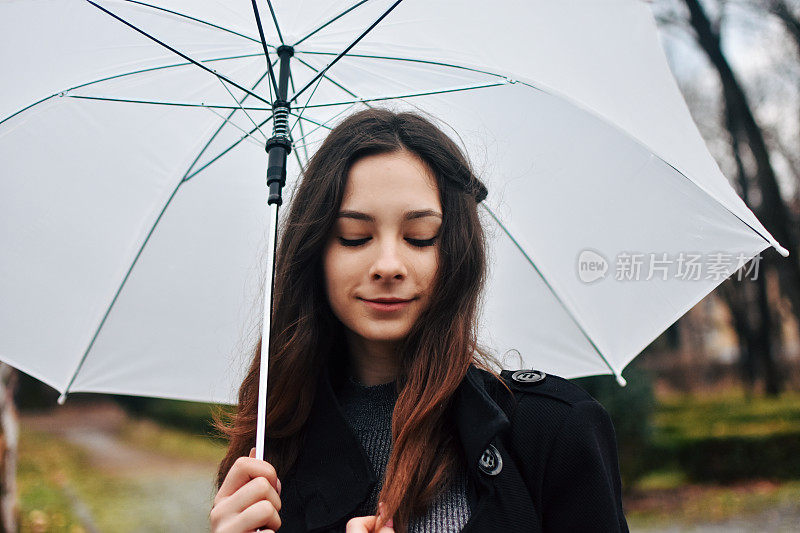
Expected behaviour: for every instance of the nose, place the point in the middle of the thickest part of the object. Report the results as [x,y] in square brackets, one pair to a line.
[389,263]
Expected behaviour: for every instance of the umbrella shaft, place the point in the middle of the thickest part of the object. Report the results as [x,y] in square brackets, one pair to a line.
[266,326]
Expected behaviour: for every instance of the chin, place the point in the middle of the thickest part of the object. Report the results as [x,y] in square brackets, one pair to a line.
[385,336]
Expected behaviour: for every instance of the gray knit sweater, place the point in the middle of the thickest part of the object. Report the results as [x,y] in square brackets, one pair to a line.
[368,411]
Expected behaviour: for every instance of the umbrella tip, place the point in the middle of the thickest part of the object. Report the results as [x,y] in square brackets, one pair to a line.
[621,380]
[781,250]
[62,398]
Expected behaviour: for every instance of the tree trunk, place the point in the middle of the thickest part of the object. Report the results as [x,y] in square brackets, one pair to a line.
[9,426]
[773,382]
[735,295]
[752,314]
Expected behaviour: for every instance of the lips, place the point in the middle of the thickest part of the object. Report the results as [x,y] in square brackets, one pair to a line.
[387,300]
[386,305]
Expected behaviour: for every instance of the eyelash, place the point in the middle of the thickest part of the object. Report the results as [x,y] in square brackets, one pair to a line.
[419,243]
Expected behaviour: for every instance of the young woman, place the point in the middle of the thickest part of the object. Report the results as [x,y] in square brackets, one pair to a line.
[379,398]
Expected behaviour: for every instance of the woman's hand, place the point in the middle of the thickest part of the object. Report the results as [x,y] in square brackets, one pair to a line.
[249,498]
[367,524]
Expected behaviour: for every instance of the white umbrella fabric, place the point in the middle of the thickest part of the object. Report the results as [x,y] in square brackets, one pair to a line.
[132,195]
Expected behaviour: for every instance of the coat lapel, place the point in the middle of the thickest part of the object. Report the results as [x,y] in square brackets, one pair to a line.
[478,417]
[334,474]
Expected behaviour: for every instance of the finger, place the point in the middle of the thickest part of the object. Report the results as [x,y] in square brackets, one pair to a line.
[259,489]
[253,491]
[362,524]
[243,470]
[261,515]
[253,455]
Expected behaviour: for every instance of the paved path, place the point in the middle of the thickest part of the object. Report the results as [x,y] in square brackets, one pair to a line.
[165,494]
[782,518]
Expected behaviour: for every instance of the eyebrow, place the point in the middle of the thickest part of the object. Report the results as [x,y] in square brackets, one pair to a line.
[409,215]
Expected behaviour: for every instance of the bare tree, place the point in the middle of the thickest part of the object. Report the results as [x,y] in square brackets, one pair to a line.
[9,427]
[748,142]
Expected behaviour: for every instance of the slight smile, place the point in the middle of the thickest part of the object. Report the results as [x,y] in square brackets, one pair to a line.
[387,305]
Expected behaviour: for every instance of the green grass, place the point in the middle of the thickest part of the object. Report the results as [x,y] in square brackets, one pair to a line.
[727,414]
[44,464]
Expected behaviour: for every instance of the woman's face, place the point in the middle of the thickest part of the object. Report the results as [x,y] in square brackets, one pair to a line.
[381,258]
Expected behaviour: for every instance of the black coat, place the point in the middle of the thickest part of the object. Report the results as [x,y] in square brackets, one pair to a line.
[549,466]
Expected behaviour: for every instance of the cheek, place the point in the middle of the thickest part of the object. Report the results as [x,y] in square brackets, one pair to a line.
[339,272]
[428,268]
[330,270]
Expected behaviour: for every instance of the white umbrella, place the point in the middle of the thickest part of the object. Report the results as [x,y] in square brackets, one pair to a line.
[132,196]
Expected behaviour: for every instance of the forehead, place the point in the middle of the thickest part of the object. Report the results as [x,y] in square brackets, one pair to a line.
[389,182]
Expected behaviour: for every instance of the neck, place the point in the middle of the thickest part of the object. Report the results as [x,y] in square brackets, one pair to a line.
[373,362]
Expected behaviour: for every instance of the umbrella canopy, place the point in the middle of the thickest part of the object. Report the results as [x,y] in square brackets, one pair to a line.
[132,195]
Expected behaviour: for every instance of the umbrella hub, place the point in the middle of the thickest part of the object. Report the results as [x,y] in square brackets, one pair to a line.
[280,144]
[280,122]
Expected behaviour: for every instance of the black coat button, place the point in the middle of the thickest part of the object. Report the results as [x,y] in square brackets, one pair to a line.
[490,462]
[528,376]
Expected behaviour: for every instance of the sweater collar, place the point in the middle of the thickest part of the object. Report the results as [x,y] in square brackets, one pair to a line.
[332,457]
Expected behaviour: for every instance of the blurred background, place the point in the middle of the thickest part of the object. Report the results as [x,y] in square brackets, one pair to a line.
[708,427]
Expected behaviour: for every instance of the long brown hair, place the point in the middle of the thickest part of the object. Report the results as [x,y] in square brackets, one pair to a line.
[306,334]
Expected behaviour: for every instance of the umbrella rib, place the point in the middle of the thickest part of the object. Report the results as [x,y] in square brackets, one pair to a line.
[324,76]
[342,54]
[181,54]
[275,20]
[247,135]
[264,44]
[228,149]
[201,21]
[327,77]
[324,124]
[63,396]
[528,258]
[115,76]
[331,21]
[410,60]
[302,133]
[243,111]
[302,110]
[307,119]
[410,95]
[153,102]
[222,125]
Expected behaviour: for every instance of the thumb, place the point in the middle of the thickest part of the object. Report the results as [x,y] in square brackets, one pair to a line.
[252,452]
[388,525]
[387,528]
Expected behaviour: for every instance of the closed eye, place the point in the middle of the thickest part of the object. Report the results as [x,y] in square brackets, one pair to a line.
[421,243]
[353,242]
